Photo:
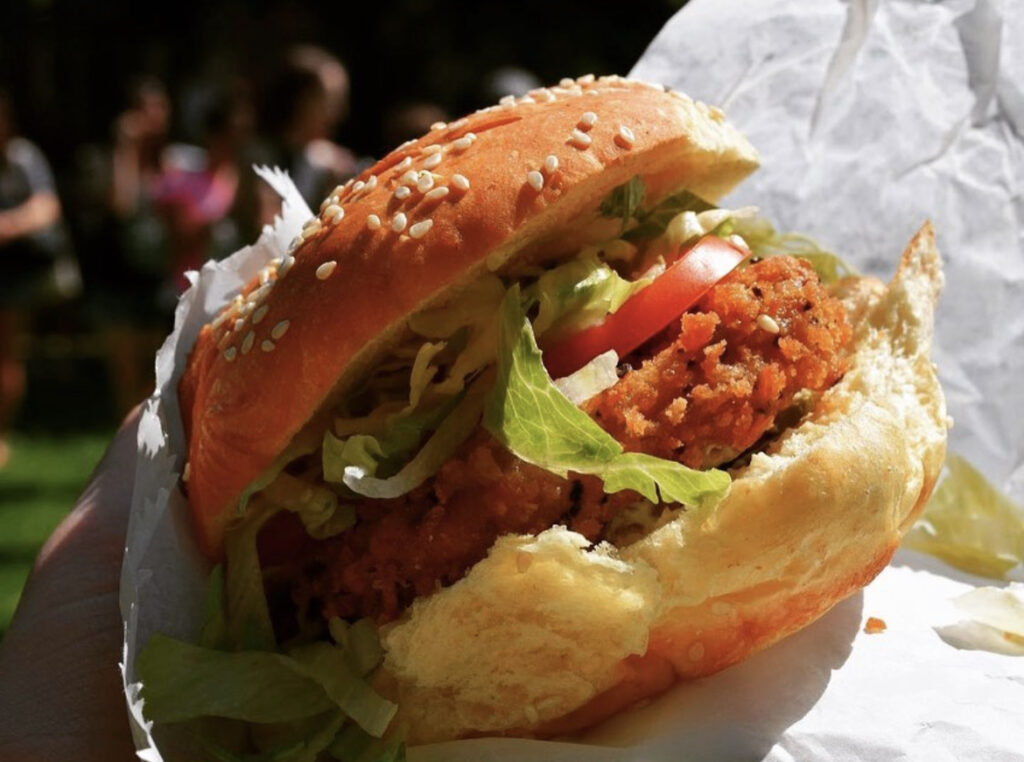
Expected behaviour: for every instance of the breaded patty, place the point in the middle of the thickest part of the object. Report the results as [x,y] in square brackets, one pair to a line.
[701,392]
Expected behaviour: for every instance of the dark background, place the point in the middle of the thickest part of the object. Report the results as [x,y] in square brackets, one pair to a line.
[68,64]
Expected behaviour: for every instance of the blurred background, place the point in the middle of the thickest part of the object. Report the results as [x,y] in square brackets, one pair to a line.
[127,134]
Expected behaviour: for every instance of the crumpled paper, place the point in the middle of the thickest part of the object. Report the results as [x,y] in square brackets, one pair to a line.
[871,115]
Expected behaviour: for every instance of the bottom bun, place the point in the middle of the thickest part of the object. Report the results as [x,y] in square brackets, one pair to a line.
[548,635]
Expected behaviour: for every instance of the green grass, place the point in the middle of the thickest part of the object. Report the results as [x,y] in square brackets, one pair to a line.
[37,489]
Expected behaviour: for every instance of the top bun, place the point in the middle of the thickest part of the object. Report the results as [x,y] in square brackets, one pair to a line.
[519,180]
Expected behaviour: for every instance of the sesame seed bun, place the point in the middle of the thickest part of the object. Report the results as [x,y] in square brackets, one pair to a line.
[372,259]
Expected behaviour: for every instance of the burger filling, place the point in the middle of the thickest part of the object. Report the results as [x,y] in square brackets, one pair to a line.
[460,436]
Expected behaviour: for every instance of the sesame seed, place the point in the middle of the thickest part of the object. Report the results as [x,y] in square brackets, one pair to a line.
[410,177]
[259,314]
[224,339]
[544,93]
[404,163]
[588,120]
[433,160]
[249,305]
[258,296]
[398,222]
[296,243]
[371,183]
[238,324]
[267,345]
[580,139]
[471,135]
[311,226]
[230,354]
[536,180]
[430,150]
[420,228]
[551,164]
[333,214]
[460,181]
[275,262]
[527,99]
[358,186]
[373,221]
[566,82]
[186,472]
[280,329]
[286,265]
[324,204]
[586,79]
[438,125]
[247,342]
[425,182]
[439,192]
[624,137]
[403,191]
[461,144]
[324,271]
[767,324]
[509,101]
[458,123]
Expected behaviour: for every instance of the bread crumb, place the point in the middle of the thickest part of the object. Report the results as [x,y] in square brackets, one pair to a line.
[874,625]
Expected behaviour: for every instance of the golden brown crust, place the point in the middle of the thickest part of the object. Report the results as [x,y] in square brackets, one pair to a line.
[245,398]
[806,524]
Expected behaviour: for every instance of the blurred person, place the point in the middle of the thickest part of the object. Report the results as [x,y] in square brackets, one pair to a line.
[306,101]
[128,260]
[31,243]
[196,201]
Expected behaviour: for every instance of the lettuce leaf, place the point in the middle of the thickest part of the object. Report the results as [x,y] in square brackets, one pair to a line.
[970,524]
[451,432]
[248,622]
[527,414]
[578,293]
[182,682]
[765,241]
[624,201]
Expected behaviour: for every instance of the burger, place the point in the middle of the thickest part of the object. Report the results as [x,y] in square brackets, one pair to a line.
[524,428]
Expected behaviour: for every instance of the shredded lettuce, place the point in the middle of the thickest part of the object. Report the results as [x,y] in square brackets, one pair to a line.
[474,314]
[451,432]
[182,682]
[593,378]
[248,624]
[579,293]
[624,201]
[969,524]
[765,241]
[536,422]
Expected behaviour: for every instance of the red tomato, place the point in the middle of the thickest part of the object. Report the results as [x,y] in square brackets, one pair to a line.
[649,310]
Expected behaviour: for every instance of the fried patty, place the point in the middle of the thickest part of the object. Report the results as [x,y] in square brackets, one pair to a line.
[701,392]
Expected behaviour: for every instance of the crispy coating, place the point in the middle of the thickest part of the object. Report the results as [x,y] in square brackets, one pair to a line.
[701,392]
[713,383]
[410,546]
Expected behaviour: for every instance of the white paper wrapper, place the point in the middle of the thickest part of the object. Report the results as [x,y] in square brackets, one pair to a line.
[871,116]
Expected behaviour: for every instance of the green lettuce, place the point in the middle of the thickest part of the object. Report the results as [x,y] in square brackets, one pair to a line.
[526,413]
[452,431]
[970,524]
[247,624]
[578,293]
[182,682]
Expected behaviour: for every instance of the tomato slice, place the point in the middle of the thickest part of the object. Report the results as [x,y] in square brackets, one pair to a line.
[648,311]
